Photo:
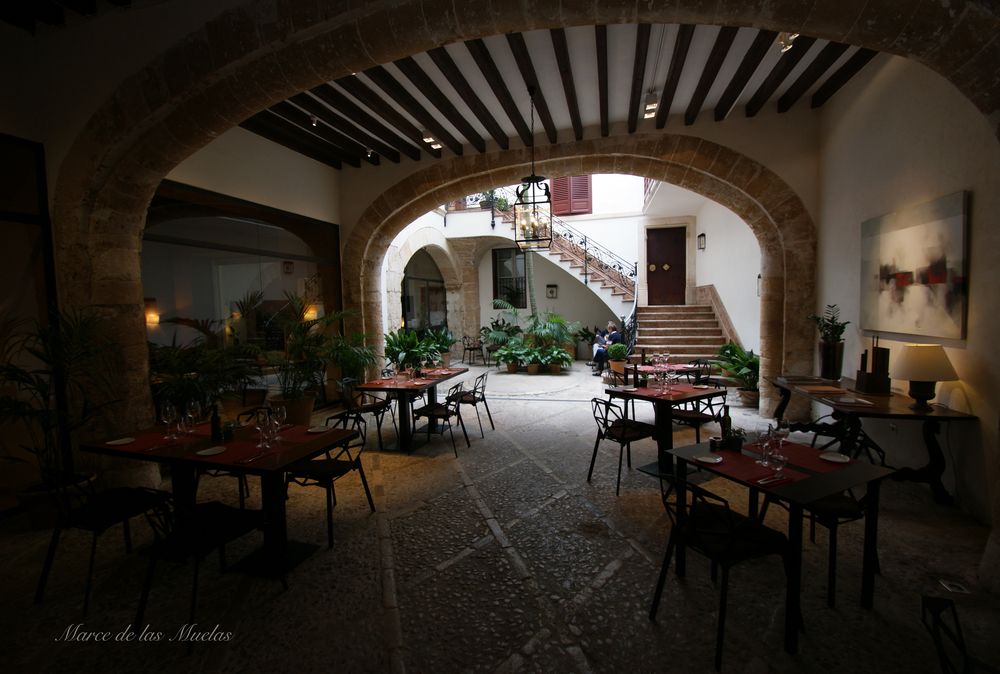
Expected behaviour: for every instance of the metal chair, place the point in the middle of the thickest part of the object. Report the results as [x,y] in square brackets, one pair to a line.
[713,530]
[326,471]
[370,403]
[443,413]
[612,425]
[474,397]
[82,507]
[475,347]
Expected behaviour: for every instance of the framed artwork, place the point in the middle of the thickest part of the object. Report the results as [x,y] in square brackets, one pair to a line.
[914,269]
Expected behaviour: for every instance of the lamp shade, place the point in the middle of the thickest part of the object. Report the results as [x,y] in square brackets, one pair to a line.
[924,362]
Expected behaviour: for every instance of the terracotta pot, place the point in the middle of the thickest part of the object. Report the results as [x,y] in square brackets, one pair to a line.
[749,398]
[555,368]
[533,368]
[299,409]
[446,359]
[618,366]
[512,368]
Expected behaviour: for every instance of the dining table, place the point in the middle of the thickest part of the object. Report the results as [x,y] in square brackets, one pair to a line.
[664,401]
[810,476]
[193,451]
[404,388]
[851,407]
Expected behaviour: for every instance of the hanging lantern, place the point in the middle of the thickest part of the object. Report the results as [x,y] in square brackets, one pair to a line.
[533,205]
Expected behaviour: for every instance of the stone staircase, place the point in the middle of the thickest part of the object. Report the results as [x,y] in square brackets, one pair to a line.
[686,331]
[608,277]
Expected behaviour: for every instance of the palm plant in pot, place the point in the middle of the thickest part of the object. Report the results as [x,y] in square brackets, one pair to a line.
[54,379]
[442,340]
[831,341]
[407,351]
[301,366]
[743,366]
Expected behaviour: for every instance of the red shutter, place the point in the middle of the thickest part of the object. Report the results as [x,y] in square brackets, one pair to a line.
[580,194]
[561,196]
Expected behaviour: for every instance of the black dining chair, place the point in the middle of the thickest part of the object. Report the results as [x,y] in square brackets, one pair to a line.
[192,536]
[471,348]
[443,413]
[697,413]
[474,397]
[82,507]
[336,463]
[369,403]
[613,425]
[712,529]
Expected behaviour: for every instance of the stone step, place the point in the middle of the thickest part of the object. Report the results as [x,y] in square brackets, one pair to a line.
[704,323]
[682,339]
[646,329]
[674,308]
[687,316]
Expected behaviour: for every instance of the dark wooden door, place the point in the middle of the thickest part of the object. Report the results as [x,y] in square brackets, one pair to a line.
[665,264]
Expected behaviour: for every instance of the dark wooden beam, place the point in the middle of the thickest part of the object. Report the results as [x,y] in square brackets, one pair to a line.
[355,87]
[361,138]
[345,149]
[778,73]
[411,105]
[601,35]
[346,107]
[826,58]
[638,74]
[560,47]
[748,66]
[527,68]
[426,85]
[82,7]
[681,46]
[49,13]
[720,50]
[858,60]
[268,125]
[442,59]
[481,55]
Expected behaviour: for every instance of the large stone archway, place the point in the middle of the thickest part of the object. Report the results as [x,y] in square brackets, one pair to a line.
[264,51]
[764,201]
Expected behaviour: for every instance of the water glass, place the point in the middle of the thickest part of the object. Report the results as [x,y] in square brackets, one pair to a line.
[262,421]
[193,415]
[778,461]
[168,413]
[279,414]
[765,443]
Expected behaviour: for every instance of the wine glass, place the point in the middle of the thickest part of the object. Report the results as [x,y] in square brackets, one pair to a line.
[193,415]
[279,414]
[765,443]
[261,421]
[168,413]
[780,436]
[778,461]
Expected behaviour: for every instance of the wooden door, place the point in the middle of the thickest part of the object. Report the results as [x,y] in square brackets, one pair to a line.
[666,271]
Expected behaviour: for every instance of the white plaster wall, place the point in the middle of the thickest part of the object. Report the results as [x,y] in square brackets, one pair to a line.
[900,135]
[731,262]
[244,165]
[616,194]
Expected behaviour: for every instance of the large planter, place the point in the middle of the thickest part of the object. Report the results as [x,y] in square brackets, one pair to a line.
[618,366]
[533,368]
[511,368]
[831,359]
[446,358]
[555,368]
[299,410]
[749,398]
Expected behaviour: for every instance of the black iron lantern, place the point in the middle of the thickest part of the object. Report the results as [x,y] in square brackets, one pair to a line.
[533,203]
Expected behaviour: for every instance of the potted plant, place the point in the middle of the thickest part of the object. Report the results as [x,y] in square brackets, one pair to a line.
[534,359]
[584,343]
[744,367]
[442,340]
[512,354]
[70,350]
[734,439]
[556,358]
[406,350]
[489,198]
[618,355]
[831,341]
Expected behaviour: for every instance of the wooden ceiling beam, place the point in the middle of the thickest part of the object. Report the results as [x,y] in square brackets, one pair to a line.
[268,125]
[355,87]
[638,75]
[82,7]
[681,47]
[852,67]
[362,138]
[723,43]
[778,73]
[412,106]
[346,107]
[561,49]
[442,59]
[748,66]
[601,36]
[345,149]
[826,58]
[426,85]
[481,55]
[527,68]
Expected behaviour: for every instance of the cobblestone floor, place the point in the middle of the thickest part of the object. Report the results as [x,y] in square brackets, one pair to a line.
[504,560]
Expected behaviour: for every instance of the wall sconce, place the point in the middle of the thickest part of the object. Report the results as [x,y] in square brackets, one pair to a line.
[311,313]
[701,241]
[758,284]
[149,308]
[924,365]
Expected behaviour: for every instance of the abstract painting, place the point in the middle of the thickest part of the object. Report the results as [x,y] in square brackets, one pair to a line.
[914,276]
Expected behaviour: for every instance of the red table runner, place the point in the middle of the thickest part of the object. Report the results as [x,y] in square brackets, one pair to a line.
[743,468]
[804,456]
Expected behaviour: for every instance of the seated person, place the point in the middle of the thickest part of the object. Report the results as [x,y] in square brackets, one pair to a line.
[600,339]
[601,355]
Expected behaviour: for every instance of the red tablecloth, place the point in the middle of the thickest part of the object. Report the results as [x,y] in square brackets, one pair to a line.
[743,468]
[805,457]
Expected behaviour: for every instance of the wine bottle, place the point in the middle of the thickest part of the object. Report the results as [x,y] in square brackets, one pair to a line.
[726,423]
[216,425]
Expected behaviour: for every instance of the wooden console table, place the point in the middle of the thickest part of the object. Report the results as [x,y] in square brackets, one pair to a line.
[847,427]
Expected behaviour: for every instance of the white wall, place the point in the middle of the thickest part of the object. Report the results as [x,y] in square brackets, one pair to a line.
[731,262]
[900,135]
[616,194]
[246,166]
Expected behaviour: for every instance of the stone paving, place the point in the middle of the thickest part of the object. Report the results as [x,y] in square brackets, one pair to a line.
[504,560]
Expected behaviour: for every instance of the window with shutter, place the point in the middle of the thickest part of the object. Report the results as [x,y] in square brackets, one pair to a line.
[571,195]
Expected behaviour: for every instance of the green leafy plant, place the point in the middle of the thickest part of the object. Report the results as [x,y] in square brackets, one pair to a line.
[405,349]
[585,335]
[503,327]
[515,351]
[617,352]
[740,364]
[831,328]
[74,350]
[556,355]
[442,339]
[502,204]
[550,329]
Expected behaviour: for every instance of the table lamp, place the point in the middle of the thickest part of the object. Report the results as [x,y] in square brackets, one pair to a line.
[924,365]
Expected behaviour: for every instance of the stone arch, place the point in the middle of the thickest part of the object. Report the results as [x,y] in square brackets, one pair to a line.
[264,51]
[436,245]
[764,201]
